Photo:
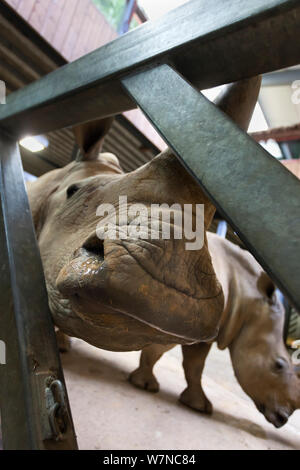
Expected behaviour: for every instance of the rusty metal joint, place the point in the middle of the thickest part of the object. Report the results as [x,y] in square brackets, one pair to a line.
[56,408]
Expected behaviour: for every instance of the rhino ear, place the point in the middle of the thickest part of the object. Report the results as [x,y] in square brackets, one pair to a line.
[90,136]
[238,100]
[266,286]
[110,161]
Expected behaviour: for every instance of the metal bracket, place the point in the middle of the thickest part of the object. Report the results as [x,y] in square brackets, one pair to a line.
[55,416]
[56,407]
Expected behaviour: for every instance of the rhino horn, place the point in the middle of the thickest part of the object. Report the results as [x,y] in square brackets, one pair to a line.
[90,137]
[238,100]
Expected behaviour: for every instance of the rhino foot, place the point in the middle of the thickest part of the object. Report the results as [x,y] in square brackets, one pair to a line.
[143,378]
[195,398]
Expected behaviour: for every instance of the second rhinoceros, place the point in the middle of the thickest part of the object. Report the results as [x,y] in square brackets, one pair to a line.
[251,327]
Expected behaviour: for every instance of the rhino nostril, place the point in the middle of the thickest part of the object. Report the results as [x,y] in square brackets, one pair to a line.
[281,418]
[95,246]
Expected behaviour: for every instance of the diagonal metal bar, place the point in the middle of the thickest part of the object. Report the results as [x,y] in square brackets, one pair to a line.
[25,321]
[210,43]
[254,192]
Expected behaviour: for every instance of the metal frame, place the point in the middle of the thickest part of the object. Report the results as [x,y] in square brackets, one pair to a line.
[25,322]
[193,38]
[209,43]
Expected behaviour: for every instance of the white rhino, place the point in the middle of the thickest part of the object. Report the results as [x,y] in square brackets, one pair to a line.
[251,327]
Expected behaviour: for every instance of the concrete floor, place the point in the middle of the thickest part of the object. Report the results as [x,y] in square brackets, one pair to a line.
[109,413]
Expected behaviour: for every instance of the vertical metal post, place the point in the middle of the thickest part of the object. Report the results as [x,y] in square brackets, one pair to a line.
[34,406]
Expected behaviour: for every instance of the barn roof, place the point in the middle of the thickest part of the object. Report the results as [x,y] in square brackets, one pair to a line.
[25,56]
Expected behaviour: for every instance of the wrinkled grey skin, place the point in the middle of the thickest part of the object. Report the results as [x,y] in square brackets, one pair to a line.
[126,294]
[252,328]
[123,294]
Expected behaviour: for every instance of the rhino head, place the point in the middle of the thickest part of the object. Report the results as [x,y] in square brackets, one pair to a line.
[125,294]
[260,360]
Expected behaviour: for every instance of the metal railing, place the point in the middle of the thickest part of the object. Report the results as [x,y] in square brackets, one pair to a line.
[157,67]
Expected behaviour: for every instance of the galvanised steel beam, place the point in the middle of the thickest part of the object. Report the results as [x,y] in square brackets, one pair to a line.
[209,42]
[34,406]
[254,192]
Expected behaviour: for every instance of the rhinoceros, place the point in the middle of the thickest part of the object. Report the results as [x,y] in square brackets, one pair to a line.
[251,327]
[117,294]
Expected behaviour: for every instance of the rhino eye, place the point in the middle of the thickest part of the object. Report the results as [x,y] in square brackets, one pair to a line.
[72,190]
[280,364]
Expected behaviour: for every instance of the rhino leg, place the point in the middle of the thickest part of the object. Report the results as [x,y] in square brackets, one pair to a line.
[193,363]
[63,341]
[143,376]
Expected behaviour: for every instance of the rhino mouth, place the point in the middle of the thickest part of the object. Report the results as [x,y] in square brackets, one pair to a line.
[276,417]
[93,248]
[133,277]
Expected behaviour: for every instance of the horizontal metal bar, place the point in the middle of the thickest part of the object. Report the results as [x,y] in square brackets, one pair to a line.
[209,42]
[254,192]
[25,321]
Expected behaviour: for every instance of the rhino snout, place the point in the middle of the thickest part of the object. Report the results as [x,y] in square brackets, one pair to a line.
[144,280]
[278,417]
